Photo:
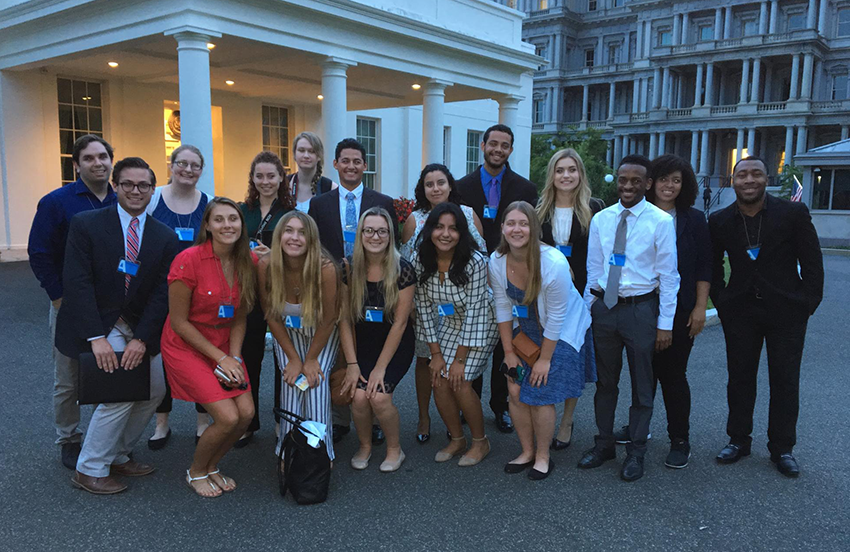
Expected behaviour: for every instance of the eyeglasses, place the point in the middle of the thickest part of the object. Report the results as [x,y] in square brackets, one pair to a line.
[382,232]
[144,187]
[183,164]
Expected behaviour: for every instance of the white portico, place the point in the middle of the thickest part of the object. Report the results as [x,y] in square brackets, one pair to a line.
[415,80]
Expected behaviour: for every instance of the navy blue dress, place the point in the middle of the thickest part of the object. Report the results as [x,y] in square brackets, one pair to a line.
[174,220]
[569,369]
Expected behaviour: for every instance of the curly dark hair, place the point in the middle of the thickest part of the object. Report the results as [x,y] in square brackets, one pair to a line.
[422,202]
[463,250]
[666,165]
[284,196]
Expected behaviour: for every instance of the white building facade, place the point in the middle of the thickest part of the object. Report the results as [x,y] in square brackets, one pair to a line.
[417,81]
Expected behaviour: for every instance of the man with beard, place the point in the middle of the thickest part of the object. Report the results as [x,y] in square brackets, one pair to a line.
[92,158]
[766,300]
[489,190]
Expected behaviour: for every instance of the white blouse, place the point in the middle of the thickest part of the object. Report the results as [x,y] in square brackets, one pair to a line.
[562,225]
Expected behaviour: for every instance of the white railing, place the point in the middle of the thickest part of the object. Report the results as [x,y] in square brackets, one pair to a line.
[677,113]
[639,117]
[772,106]
[724,109]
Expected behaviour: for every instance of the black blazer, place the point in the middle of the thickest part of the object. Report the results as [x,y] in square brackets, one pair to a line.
[787,237]
[325,211]
[514,188]
[578,259]
[94,289]
[693,246]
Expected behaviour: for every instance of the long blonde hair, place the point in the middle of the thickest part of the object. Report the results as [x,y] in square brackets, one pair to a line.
[246,273]
[357,271]
[532,256]
[311,273]
[581,193]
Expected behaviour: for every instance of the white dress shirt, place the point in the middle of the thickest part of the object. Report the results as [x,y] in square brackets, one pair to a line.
[358,196]
[650,256]
[562,225]
[125,219]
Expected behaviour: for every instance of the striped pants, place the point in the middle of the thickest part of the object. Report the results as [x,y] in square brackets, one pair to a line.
[314,403]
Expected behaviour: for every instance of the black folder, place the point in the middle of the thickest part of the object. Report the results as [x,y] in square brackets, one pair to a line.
[99,387]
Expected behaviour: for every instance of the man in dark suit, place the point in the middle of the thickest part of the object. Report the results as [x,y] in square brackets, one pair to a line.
[336,214]
[767,300]
[489,190]
[116,300]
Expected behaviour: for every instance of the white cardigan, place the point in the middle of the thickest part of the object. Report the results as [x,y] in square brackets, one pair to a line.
[563,313]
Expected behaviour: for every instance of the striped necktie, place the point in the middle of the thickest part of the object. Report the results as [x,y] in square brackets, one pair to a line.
[132,248]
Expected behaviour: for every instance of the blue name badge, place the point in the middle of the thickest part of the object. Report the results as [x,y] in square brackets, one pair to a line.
[301,382]
[490,212]
[252,244]
[567,250]
[185,234]
[225,311]
[128,267]
[753,253]
[446,310]
[292,322]
[617,259]
[374,315]
[349,233]
[520,311]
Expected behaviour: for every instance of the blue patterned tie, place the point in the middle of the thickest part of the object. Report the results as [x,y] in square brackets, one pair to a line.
[350,221]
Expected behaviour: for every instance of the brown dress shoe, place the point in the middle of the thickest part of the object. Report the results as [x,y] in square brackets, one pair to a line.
[131,469]
[98,485]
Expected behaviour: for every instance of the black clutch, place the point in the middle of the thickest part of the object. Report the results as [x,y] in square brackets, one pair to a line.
[99,387]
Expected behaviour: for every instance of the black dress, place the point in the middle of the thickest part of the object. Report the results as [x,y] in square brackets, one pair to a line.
[369,337]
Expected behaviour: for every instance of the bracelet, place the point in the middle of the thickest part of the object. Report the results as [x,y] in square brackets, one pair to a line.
[239,359]
[437,353]
[352,363]
[222,358]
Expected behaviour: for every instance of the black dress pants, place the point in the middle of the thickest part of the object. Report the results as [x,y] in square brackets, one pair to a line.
[253,351]
[747,326]
[669,368]
[498,382]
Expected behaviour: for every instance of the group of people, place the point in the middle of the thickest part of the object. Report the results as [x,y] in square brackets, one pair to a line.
[547,292]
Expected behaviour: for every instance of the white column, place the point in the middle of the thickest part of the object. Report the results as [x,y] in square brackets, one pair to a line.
[739,144]
[508,110]
[789,145]
[810,14]
[193,66]
[686,24]
[653,145]
[644,95]
[662,143]
[647,38]
[754,97]
[636,96]
[845,132]
[657,84]
[585,101]
[556,51]
[822,16]
[433,109]
[698,87]
[703,157]
[612,96]
[600,48]
[727,25]
[694,147]
[808,68]
[774,16]
[677,29]
[745,81]
[763,18]
[802,139]
[718,23]
[334,104]
[639,41]
[751,142]
[795,77]
[665,89]
[709,84]
[609,153]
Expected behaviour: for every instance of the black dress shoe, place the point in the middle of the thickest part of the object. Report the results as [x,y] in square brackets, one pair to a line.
[158,444]
[504,423]
[786,464]
[537,475]
[244,440]
[632,468]
[423,438]
[517,468]
[595,457]
[340,431]
[70,453]
[622,437]
[731,453]
[378,437]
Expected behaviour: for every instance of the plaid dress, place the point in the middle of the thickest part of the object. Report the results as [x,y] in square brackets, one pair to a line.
[473,323]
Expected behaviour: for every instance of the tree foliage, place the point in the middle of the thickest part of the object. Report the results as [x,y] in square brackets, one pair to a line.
[786,180]
[590,146]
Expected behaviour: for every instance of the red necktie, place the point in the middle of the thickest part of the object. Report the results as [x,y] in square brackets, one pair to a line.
[132,248]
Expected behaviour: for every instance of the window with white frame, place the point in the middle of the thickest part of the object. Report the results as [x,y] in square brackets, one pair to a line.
[539,107]
[80,113]
[367,134]
[589,56]
[542,4]
[474,155]
[447,146]
[795,20]
[748,26]
[591,5]
[831,189]
[665,36]
[613,54]
[705,32]
[542,50]
[276,132]
[839,87]
[844,21]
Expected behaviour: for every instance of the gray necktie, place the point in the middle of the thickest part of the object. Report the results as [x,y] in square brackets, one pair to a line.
[612,290]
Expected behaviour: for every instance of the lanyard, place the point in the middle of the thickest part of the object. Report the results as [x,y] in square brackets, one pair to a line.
[266,220]
[222,280]
[747,231]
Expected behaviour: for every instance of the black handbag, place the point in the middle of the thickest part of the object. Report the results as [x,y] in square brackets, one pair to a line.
[306,470]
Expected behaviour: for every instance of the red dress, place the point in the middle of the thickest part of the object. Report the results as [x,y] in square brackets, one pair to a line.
[190,373]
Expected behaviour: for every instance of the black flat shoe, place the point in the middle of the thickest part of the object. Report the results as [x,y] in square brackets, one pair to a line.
[731,453]
[158,444]
[787,465]
[517,468]
[70,454]
[537,475]
[561,445]
[596,457]
[243,441]
[378,437]
[504,422]
[423,438]
[340,431]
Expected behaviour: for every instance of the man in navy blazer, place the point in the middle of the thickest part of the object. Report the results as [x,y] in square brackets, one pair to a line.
[116,300]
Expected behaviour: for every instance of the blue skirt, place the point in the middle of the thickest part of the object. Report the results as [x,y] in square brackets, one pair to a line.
[569,371]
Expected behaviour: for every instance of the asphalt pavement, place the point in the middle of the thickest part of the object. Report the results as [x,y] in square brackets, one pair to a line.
[429,506]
